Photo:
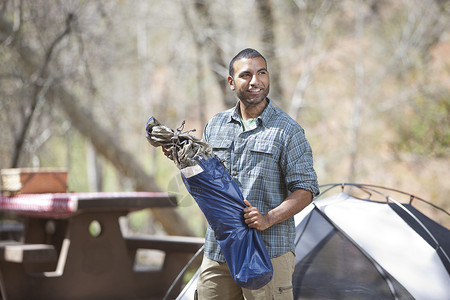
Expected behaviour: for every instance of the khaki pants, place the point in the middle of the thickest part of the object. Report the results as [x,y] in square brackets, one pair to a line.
[215,281]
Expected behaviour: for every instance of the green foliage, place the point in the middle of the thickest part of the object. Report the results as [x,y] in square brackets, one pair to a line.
[77,179]
[138,220]
[425,127]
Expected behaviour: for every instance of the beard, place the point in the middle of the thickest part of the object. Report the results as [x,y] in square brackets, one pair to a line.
[250,99]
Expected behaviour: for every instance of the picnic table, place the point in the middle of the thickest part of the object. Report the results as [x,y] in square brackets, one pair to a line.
[60,258]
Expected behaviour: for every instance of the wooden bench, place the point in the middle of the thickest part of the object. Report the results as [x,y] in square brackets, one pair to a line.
[178,250]
[11,231]
[16,252]
[169,243]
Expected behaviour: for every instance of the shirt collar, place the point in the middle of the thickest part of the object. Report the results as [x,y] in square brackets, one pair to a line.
[263,118]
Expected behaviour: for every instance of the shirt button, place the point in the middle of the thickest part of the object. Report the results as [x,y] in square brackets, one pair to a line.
[234,173]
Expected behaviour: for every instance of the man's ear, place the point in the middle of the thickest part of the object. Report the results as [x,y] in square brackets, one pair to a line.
[231,83]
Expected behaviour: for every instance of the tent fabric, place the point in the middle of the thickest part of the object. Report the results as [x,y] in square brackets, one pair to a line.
[387,240]
[220,200]
[440,233]
[326,268]
[333,268]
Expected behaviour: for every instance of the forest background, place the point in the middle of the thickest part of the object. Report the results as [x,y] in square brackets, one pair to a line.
[368,81]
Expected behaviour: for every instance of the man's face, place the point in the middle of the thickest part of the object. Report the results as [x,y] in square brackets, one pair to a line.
[251,80]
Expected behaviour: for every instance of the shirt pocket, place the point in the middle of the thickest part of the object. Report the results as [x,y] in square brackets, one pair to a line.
[263,156]
[222,148]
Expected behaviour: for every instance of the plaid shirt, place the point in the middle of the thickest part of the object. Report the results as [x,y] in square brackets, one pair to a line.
[267,163]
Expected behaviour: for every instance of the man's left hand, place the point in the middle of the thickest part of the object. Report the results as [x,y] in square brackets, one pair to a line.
[254,218]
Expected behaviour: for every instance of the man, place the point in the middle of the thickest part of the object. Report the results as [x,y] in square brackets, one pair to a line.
[268,156]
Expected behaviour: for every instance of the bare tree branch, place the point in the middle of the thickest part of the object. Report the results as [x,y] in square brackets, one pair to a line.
[39,91]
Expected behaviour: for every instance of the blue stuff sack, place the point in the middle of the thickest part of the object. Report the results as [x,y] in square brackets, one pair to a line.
[222,203]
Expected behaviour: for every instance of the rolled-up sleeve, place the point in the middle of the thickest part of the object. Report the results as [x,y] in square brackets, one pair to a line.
[297,161]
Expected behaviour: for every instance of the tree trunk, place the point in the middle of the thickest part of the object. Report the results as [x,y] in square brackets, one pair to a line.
[269,48]
[215,55]
[357,109]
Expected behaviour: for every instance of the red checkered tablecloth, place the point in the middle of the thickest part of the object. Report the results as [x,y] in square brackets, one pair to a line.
[62,205]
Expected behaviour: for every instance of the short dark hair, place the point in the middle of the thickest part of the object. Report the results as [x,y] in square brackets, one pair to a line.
[246,53]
